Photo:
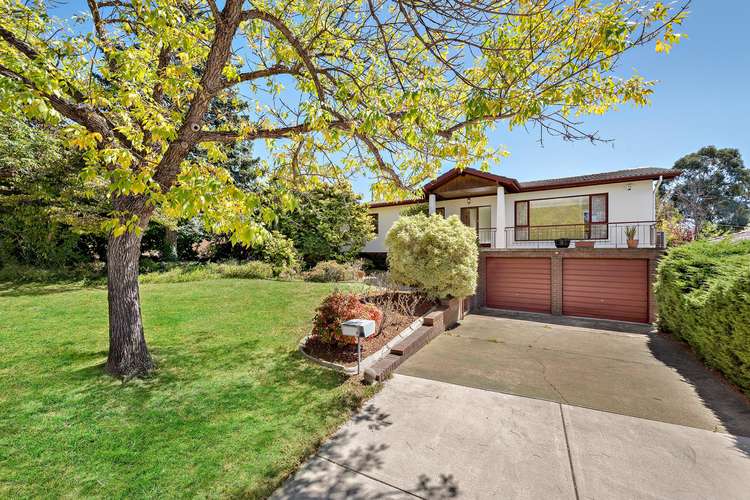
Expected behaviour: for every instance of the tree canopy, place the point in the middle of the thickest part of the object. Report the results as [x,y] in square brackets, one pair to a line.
[394,88]
[714,187]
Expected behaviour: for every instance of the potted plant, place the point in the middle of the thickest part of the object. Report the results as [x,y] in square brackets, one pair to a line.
[630,232]
[562,243]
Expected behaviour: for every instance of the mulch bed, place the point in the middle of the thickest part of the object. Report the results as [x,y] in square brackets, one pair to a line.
[393,324]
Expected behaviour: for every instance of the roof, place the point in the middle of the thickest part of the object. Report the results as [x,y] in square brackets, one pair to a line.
[453,173]
[380,204]
[513,186]
[630,174]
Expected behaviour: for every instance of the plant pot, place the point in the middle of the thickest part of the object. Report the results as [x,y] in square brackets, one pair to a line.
[584,244]
[562,243]
[632,243]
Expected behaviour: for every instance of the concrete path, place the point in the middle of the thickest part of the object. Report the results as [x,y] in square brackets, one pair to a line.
[585,363]
[430,439]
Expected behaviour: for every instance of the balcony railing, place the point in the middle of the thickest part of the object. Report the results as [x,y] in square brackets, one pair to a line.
[603,235]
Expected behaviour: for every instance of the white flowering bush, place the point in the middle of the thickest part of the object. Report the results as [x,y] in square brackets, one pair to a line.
[437,255]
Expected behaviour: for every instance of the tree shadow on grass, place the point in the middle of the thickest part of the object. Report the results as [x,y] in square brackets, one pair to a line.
[725,401]
[33,289]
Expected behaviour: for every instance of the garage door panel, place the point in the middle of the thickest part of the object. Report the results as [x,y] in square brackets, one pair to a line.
[518,283]
[606,288]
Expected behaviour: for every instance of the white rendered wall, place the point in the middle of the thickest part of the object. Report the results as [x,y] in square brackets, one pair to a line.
[625,205]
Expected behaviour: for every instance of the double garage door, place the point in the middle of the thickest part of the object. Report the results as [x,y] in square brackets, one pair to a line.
[593,287]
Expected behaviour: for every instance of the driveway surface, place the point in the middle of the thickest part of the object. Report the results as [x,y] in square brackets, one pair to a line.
[427,439]
[581,363]
[505,407]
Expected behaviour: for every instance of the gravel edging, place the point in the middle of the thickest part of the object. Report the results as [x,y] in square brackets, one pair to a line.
[372,358]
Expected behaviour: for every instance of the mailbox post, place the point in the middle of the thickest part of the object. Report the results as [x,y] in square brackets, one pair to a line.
[360,328]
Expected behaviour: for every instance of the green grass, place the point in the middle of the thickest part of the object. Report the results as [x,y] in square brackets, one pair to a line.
[231,410]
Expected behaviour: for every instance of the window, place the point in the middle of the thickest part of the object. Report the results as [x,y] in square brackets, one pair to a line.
[440,211]
[375,223]
[480,218]
[573,217]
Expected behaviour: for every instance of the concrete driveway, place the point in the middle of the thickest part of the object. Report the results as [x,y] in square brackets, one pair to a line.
[508,408]
[585,363]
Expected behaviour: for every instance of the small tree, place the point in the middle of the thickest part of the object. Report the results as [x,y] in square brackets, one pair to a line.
[439,256]
[329,224]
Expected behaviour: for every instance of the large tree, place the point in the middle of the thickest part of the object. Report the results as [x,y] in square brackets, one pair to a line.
[714,187]
[395,88]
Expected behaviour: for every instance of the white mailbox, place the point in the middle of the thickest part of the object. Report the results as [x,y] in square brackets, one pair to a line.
[361,328]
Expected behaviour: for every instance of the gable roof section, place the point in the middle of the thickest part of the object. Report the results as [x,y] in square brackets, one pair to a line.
[513,186]
[630,174]
[507,182]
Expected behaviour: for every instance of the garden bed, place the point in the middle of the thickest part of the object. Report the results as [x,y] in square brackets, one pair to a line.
[400,312]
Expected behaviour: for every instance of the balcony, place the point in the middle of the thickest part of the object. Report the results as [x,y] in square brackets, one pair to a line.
[601,235]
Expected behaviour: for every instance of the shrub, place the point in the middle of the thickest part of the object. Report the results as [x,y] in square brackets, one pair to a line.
[249,270]
[337,308]
[331,271]
[436,255]
[703,292]
[329,224]
[279,251]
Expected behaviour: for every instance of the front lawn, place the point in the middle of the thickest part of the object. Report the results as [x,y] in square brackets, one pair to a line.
[231,411]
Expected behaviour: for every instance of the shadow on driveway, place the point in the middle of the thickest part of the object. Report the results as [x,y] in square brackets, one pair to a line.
[617,367]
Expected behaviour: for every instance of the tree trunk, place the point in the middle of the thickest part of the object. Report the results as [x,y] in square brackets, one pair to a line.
[128,355]
[170,240]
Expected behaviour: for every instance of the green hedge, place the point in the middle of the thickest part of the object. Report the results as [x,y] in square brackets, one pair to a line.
[703,291]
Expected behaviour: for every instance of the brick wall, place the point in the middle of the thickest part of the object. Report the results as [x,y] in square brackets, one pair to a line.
[556,256]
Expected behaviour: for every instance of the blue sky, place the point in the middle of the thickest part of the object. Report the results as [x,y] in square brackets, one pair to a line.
[701,99]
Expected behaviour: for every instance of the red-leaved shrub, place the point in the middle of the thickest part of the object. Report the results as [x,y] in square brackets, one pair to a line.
[337,308]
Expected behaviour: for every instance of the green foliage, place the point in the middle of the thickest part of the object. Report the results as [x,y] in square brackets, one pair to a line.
[714,187]
[279,251]
[436,255]
[49,217]
[419,208]
[703,292]
[141,86]
[236,408]
[330,223]
[337,308]
[179,273]
[330,271]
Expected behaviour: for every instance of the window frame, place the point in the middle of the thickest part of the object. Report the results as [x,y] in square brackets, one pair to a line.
[440,211]
[375,219]
[520,228]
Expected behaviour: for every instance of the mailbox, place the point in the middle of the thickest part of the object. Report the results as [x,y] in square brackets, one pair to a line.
[361,328]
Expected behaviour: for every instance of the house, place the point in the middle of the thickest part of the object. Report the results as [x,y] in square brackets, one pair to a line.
[518,223]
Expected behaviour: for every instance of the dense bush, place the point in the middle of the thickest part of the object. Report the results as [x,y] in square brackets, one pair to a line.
[436,255]
[50,217]
[337,308]
[703,292]
[279,251]
[329,224]
[178,273]
[330,271]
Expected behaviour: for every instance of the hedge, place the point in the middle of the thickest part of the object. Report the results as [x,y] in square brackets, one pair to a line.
[703,291]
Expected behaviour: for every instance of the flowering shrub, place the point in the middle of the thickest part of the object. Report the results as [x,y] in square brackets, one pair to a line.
[436,255]
[337,308]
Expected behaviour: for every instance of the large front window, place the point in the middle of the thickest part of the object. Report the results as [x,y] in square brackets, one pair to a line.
[572,217]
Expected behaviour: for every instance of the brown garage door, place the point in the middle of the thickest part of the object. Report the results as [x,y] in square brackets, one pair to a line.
[519,284]
[606,288]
